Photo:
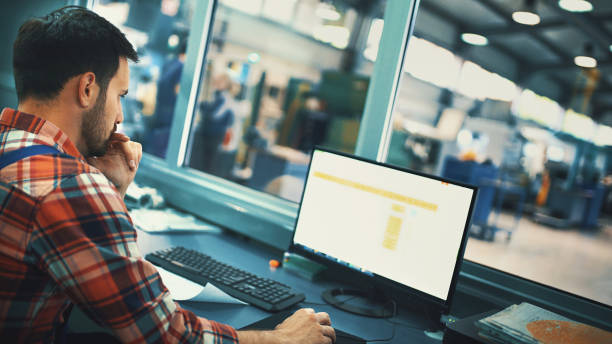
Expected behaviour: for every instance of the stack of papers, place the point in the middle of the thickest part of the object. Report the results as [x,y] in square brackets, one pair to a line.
[183,289]
[168,220]
[529,324]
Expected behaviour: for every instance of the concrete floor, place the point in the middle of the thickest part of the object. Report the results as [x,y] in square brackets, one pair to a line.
[576,261]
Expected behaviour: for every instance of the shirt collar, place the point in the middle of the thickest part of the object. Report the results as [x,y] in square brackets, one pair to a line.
[47,132]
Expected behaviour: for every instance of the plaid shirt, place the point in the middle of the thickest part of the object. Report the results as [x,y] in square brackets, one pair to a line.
[66,236]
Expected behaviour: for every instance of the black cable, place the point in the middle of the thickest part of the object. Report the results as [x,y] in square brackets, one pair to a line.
[394,311]
[397,322]
[327,304]
[423,308]
[314,303]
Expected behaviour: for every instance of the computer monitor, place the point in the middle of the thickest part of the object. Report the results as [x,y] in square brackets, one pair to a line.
[401,230]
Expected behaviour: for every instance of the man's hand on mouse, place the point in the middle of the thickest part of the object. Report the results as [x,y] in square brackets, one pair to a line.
[306,326]
[303,327]
[120,162]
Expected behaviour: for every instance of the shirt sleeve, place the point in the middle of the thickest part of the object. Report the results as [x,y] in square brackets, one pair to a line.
[86,242]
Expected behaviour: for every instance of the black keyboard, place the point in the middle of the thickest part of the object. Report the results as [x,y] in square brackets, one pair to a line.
[261,292]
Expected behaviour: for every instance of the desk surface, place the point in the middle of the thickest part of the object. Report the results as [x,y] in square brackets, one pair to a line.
[254,258]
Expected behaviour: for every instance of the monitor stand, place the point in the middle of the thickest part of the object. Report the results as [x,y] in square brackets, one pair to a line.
[370,304]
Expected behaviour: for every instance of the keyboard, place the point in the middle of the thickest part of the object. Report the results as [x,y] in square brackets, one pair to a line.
[261,292]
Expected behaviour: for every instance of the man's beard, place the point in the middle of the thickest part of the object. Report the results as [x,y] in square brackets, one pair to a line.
[93,128]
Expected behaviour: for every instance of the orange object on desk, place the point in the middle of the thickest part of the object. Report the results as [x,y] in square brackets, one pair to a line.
[274,263]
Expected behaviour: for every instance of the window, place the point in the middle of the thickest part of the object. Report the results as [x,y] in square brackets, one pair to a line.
[273,87]
[487,124]
[603,137]
[250,7]
[579,125]
[431,63]
[279,10]
[158,30]
[371,50]
[542,110]
[542,212]
[478,83]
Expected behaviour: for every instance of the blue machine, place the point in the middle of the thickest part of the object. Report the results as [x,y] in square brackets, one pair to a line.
[477,174]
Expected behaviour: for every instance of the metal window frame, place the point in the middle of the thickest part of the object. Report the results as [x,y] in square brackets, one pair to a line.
[375,127]
[197,47]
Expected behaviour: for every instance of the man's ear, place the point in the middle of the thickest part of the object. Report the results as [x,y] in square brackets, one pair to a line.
[87,89]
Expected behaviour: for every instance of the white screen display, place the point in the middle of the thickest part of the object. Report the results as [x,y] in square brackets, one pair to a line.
[402,226]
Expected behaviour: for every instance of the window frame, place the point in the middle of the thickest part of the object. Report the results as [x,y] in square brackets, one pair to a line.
[270,220]
[265,217]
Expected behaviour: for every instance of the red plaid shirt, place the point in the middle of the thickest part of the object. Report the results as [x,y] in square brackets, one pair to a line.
[66,236]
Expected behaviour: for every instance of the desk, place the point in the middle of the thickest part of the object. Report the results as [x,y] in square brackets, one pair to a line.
[254,258]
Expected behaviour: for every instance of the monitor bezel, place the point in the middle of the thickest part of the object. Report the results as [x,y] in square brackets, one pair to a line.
[378,280]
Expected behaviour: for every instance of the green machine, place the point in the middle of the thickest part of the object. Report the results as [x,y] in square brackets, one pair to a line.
[345,96]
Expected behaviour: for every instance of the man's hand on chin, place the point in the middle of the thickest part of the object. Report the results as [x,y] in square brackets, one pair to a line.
[120,162]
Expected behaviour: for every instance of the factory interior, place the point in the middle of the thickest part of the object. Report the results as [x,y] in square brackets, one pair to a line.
[511,96]
[482,99]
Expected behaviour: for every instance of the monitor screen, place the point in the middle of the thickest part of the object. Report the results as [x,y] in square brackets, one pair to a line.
[384,222]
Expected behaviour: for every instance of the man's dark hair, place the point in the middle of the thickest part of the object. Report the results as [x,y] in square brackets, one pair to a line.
[67,42]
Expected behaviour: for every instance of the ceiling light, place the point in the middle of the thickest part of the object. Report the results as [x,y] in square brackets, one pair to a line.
[327,11]
[576,5]
[527,15]
[474,39]
[526,18]
[585,61]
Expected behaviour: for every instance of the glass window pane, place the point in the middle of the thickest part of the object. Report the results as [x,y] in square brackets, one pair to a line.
[279,10]
[158,29]
[273,88]
[306,16]
[251,6]
[514,114]
[434,64]
[579,125]
[542,110]
[374,35]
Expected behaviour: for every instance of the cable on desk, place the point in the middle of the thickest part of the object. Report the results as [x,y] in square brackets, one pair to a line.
[384,309]
[433,322]
[400,323]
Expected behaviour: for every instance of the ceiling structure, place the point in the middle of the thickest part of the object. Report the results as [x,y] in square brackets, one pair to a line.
[539,57]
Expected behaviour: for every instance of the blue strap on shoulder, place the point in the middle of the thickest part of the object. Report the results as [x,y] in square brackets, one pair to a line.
[22,153]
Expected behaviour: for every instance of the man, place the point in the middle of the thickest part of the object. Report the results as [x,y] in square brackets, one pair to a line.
[157,137]
[65,234]
[218,116]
